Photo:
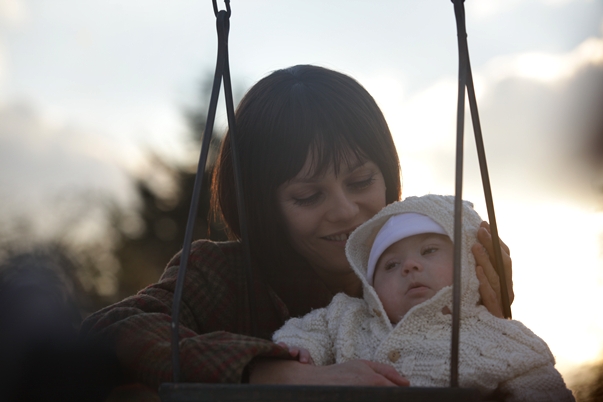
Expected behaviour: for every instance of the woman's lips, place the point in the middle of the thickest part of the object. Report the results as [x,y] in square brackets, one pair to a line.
[342,236]
[337,237]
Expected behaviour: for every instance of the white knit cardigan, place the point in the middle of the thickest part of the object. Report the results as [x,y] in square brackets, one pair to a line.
[493,353]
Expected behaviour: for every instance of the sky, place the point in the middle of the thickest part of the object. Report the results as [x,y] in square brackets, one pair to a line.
[86,88]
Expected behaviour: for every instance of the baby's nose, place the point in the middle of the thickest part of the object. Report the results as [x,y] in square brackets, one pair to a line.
[411,264]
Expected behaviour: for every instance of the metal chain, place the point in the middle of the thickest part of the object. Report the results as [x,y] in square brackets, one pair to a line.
[222,72]
[465,81]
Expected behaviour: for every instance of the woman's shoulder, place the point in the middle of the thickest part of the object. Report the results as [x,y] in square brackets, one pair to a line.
[208,249]
[211,257]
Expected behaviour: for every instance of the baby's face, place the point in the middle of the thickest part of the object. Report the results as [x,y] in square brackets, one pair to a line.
[411,271]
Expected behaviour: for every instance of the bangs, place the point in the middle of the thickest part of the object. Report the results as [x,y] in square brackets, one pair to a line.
[324,127]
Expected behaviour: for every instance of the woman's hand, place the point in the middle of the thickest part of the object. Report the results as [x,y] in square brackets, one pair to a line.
[355,372]
[300,354]
[489,285]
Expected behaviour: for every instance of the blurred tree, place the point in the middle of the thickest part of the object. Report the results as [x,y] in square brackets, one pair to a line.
[116,251]
[588,383]
[165,196]
[81,242]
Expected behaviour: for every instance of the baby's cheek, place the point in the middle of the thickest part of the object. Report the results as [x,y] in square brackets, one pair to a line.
[448,274]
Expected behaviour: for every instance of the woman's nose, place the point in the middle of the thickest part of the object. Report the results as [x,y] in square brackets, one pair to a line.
[342,207]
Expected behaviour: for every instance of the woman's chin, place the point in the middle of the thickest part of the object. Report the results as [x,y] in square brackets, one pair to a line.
[333,266]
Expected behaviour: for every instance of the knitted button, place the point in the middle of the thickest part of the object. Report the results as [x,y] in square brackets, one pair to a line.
[377,312]
[393,356]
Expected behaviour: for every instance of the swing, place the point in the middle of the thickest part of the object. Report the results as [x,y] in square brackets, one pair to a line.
[180,392]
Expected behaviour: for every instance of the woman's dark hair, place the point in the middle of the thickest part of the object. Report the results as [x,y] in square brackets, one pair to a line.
[283,118]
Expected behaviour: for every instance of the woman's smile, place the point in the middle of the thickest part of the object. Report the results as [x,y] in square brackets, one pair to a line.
[339,237]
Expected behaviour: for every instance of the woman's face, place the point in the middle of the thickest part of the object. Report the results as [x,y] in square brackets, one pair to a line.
[320,212]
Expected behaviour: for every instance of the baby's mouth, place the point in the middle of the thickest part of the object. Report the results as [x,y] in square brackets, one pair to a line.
[416,286]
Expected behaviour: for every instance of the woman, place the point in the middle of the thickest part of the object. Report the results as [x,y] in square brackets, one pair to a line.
[317,160]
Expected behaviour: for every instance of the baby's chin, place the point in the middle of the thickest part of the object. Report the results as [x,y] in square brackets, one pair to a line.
[397,316]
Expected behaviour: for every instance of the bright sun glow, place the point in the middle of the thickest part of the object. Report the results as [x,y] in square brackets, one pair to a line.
[557,275]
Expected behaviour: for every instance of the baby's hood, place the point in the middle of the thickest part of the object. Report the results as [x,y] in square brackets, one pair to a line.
[440,208]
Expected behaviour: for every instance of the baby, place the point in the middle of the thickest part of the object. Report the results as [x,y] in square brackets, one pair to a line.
[404,258]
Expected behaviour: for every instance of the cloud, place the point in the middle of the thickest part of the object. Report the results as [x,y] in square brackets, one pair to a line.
[557,3]
[491,8]
[535,110]
[2,62]
[539,109]
[545,67]
[43,163]
[12,12]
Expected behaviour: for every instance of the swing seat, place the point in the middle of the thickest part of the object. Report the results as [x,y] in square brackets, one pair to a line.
[193,392]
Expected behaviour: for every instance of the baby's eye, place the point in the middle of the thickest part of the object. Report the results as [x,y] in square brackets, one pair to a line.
[429,250]
[391,265]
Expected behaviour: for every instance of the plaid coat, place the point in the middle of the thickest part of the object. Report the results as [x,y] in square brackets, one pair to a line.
[215,345]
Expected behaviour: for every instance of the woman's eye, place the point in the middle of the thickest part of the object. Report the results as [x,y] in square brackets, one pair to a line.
[307,200]
[359,185]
